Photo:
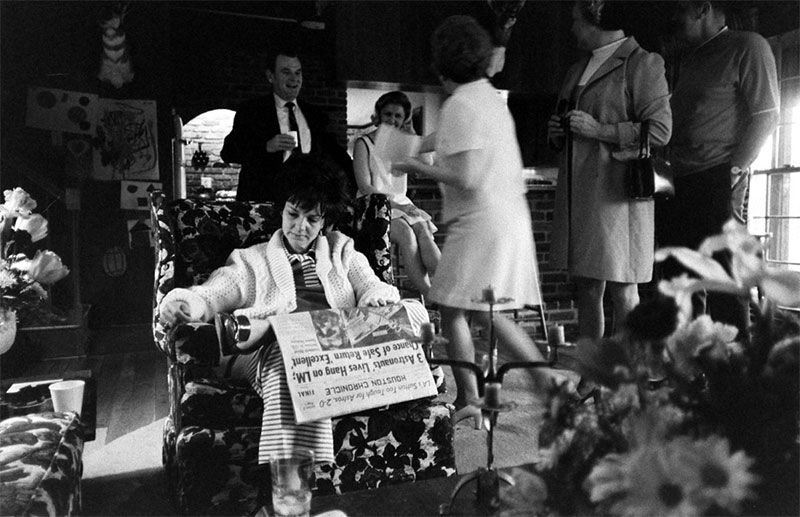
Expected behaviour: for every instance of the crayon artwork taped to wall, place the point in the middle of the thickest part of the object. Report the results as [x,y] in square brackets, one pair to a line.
[126,143]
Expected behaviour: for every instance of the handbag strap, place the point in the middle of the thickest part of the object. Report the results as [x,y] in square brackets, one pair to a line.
[644,140]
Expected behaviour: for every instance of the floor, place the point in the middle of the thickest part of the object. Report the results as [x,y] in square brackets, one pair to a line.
[122,466]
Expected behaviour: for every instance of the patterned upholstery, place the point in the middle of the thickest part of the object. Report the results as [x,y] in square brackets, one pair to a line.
[41,465]
[210,440]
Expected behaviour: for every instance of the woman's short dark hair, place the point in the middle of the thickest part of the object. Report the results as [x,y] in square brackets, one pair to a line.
[462,49]
[608,15]
[397,98]
[309,181]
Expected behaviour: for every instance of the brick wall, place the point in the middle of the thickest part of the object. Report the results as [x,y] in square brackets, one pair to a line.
[557,289]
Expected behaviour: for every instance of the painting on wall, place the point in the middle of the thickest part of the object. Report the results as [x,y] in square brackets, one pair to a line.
[126,142]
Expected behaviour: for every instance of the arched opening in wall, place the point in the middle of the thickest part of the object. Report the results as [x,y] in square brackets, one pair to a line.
[205,172]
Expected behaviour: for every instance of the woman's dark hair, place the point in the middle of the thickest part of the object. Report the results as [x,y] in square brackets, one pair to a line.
[462,49]
[608,15]
[396,97]
[309,181]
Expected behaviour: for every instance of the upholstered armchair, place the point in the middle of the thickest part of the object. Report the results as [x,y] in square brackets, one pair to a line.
[210,438]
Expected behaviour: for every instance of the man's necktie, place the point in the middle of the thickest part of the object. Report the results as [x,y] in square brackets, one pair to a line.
[293,127]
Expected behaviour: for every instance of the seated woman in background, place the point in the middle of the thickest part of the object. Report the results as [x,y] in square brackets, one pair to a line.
[412,229]
[302,267]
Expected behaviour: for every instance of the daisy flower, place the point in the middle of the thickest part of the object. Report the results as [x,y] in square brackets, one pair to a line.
[725,478]
[701,336]
[651,480]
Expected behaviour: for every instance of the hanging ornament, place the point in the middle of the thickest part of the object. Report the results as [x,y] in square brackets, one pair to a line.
[199,158]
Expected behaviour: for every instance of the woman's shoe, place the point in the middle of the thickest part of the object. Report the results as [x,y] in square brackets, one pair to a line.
[472,412]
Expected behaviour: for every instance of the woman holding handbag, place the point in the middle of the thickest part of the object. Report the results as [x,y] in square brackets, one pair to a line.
[601,236]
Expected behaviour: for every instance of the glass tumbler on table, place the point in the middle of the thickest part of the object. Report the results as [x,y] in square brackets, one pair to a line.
[292,479]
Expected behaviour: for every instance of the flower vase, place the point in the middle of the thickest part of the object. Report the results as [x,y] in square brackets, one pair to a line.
[8,329]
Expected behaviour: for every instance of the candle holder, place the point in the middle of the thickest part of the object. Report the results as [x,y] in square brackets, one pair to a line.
[490,383]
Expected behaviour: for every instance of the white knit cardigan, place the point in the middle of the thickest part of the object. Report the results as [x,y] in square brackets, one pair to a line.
[257,282]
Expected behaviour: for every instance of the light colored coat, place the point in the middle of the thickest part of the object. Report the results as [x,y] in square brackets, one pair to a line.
[258,282]
[598,231]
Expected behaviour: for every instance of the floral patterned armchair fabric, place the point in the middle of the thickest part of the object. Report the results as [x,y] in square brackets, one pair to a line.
[210,438]
[41,464]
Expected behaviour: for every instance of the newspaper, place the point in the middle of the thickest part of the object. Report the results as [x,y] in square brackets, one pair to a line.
[341,361]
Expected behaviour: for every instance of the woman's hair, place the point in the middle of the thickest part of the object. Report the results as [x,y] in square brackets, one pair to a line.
[462,49]
[397,98]
[608,15]
[309,181]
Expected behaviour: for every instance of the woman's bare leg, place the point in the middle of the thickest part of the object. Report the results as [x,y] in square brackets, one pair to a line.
[428,250]
[624,298]
[455,328]
[589,298]
[406,240]
[512,338]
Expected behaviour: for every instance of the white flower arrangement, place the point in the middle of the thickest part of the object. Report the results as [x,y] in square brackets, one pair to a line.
[23,277]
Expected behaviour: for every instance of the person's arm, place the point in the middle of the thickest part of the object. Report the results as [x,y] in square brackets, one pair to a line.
[758,85]
[428,143]
[650,101]
[462,171]
[361,167]
[585,125]
[368,288]
[753,137]
[240,146]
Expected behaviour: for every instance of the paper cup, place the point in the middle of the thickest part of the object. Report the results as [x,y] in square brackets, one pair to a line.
[67,396]
[293,134]
[292,479]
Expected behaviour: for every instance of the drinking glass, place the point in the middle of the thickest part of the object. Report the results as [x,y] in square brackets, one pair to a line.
[292,479]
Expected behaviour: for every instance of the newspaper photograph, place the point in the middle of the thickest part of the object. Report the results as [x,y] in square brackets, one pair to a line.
[341,361]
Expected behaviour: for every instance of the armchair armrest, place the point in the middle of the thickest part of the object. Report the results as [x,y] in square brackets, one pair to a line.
[194,344]
[373,220]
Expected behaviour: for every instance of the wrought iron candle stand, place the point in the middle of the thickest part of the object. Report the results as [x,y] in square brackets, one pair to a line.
[490,384]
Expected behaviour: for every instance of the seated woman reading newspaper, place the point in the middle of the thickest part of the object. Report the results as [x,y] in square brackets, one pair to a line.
[303,267]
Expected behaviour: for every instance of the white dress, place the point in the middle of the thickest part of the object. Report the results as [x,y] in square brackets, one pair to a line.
[489,239]
[395,187]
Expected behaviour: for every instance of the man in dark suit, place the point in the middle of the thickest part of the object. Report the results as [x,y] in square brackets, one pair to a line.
[268,131]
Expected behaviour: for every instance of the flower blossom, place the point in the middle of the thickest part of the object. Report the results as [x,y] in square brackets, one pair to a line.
[700,336]
[725,479]
[35,225]
[650,480]
[748,269]
[18,204]
[46,267]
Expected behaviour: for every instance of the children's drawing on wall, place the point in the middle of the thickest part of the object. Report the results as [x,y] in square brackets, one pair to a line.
[140,233]
[133,195]
[78,158]
[126,140]
[61,110]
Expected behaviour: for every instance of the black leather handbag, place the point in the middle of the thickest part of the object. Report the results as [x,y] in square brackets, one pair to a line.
[649,176]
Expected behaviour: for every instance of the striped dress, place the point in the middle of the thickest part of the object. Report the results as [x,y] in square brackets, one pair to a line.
[266,373]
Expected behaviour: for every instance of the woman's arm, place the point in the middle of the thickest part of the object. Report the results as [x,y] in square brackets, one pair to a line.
[462,169]
[368,288]
[650,101]
[428,143]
